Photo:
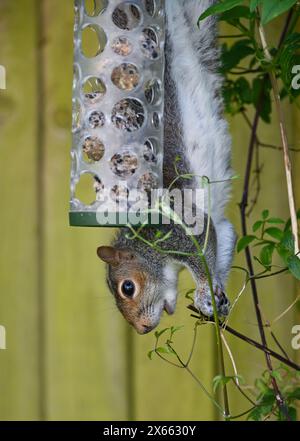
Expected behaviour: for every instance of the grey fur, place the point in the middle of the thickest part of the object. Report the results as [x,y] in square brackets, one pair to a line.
[204,152]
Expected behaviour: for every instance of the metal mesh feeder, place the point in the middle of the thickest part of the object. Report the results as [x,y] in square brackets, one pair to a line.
[117,147]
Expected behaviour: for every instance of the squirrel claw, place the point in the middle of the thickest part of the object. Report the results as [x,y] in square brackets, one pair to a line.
[203,302]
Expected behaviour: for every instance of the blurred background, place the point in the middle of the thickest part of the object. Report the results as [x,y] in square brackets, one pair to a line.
[70,355]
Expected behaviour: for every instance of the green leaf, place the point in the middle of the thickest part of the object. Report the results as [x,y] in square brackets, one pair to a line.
[283,253]
[159,333]
[272,9]
[288,224]
[277,375]
[266,255]
[236,53]
[255,414]
[263,242]
[219,8]
[267,400]
[285,248]
[150,353]
[275,220]
[254,4]
[236,93]
[288,241]
[294,395]
[221,380]
[170,349]
[163,238]
[265,214]
[243,88]
[292,414]
[176,328]
[294,266]
[276,233]
[162,350]
[262,99]
[261,385]
[244,242]
[236,13]
[288,58]
[257,226]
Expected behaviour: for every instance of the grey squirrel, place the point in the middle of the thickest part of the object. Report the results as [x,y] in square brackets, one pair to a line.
[143,280]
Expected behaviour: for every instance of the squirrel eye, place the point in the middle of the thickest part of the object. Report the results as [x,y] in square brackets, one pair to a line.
[128,288]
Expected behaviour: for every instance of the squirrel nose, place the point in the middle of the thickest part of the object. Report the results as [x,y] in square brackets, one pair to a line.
[147,328]
[145,324]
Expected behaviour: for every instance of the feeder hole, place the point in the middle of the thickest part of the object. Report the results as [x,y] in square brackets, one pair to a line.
[122,46]
[128,114]
[126,76]
[119,193]
[147,182]
[152,92]
[93,90]
[150,150]
[150,6]
[95,7]
[92,149]
[126,16]
[93,41]
[149,44]
[87,186]
[124,164]
[155,120]
[96,119]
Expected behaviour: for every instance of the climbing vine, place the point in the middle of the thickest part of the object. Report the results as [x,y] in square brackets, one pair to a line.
[258,78]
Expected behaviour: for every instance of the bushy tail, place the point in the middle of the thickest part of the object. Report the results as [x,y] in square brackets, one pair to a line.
[194,62]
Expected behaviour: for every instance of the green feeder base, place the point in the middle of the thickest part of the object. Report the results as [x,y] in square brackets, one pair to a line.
[90,219]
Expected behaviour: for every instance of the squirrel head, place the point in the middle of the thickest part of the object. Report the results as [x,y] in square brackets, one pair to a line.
[139,290]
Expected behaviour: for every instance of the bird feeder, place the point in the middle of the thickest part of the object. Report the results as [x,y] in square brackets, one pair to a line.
[117,147]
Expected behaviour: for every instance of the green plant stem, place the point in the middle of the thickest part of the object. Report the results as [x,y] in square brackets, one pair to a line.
[283,134]
[185,366]
[208,275]
[204,390]
[252,342]
[245,71]
[215,311]
[265,276]
[290,25]
[235,417]
[243,206]
[231,36]
[279,345]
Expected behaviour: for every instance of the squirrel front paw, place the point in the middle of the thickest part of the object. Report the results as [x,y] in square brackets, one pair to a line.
[203,302]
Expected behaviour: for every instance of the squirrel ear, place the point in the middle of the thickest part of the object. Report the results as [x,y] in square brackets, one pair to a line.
[113,256]
[108,255]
